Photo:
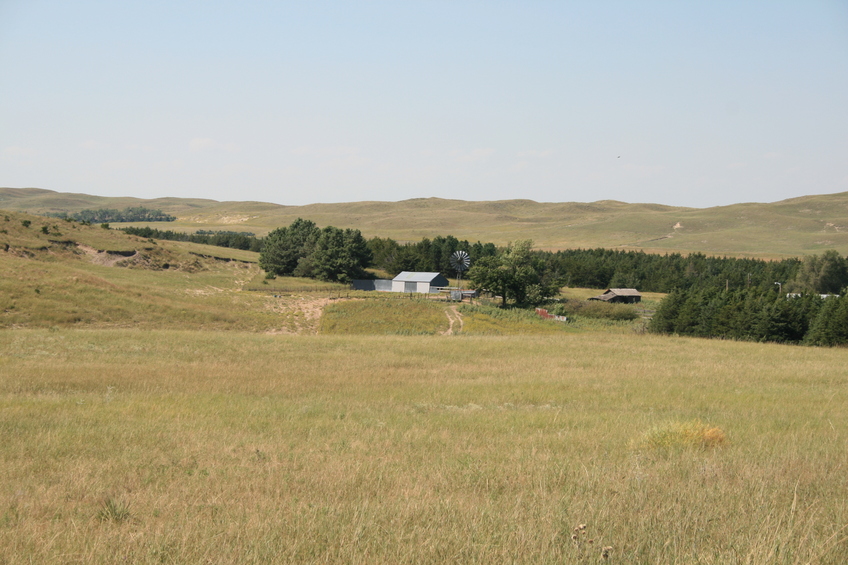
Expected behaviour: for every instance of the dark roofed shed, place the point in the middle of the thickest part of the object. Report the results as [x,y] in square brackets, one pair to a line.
[620,295]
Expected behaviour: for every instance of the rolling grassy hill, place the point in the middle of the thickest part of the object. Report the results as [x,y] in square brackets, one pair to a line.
[152,437]
[58,274]
[798,226]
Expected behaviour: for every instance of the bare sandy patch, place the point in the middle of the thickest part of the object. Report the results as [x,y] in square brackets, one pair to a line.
[301,314]
[103,257]
[233,219]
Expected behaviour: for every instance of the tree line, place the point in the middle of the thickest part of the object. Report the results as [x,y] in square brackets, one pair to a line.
[427,255]
[611,268]
[234,240]
[104,215]
[754,315]
[808,306]
[302,249]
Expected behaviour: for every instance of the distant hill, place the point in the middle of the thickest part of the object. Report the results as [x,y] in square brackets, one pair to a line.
[798,226]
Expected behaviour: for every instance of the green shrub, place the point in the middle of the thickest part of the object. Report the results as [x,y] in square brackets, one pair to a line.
[113,510]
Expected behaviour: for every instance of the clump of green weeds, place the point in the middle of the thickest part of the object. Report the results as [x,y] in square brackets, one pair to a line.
[680,435]
[114,510]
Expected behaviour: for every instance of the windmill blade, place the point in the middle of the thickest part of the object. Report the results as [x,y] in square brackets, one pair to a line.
[460,260]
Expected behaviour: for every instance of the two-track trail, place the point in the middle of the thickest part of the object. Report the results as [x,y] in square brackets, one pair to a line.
[454,319]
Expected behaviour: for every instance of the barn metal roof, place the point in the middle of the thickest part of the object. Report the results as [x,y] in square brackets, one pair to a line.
[624,292]
[409,276]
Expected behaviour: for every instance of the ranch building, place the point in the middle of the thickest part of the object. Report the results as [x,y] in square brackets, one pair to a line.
[620,295]
[419,282]
[425,283]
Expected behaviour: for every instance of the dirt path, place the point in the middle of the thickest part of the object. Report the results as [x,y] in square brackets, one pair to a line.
[454,319]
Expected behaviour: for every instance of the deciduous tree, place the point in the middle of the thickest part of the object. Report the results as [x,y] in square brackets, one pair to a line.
[516,274]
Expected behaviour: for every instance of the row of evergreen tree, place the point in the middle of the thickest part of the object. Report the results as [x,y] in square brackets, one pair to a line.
[610,268]
[129,214]
[427,255]
[755,315]
[234,240]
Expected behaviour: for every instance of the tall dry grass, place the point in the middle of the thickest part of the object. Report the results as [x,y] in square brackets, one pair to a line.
[195,447]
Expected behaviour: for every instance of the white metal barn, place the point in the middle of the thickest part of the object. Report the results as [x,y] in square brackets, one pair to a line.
[409,281]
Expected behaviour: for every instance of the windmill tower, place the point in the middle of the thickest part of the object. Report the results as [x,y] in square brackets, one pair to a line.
[460,261]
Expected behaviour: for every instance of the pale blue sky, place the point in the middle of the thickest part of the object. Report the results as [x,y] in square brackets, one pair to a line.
[682,103]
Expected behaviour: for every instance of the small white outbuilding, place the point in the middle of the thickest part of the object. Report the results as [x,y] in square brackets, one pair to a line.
[425,283]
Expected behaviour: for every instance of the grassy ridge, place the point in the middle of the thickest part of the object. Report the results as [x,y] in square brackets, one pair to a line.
[86,276]
[796,226]
[181,447]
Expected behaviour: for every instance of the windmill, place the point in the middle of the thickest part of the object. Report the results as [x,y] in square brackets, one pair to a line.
[460,261]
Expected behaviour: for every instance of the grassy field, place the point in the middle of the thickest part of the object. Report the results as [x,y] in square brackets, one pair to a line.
[226,447]
[794,227]
[152,411]
[410,314]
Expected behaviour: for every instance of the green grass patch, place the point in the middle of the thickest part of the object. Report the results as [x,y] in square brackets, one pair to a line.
[595,309]
[385,315]
[479,319]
